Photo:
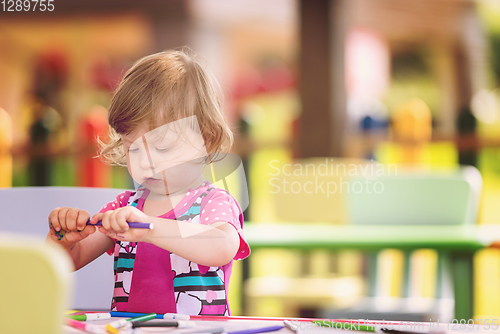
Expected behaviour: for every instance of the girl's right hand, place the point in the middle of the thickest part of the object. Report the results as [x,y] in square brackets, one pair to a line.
[69,225]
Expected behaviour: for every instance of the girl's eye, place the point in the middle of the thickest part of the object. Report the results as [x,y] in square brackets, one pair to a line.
[162,150]
[130,150]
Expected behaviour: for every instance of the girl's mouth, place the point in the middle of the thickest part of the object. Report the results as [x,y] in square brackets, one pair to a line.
[151,181]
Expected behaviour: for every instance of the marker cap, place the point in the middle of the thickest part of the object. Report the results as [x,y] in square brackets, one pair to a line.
[175,316]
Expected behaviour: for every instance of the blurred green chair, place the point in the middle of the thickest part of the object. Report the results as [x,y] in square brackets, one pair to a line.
[420,199]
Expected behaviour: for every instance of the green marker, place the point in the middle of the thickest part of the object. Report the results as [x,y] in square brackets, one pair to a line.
[90,316]
[112,327]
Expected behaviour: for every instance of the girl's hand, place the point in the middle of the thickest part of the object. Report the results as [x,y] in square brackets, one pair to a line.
[114,224]
[68,225]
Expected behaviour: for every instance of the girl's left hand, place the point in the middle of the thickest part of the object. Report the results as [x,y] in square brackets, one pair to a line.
[114,224]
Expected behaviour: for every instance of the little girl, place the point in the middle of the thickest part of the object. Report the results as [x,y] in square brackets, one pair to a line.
[166,125]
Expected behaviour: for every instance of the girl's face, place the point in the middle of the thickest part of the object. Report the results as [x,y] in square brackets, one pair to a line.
[165,160]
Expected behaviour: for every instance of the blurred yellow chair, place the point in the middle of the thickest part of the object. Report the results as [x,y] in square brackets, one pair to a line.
[287,282]
[35,285]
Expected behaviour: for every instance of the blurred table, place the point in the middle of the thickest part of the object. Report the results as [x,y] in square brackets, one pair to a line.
[306,327]
[201,327]
[457,243]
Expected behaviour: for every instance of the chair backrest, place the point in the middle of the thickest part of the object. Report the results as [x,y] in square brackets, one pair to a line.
[36,280]
[414,198]
[446,198]
[25,211]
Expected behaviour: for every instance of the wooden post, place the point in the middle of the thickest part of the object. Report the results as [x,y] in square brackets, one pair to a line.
[322,78]
[170,25]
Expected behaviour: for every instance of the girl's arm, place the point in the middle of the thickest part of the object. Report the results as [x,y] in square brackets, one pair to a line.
[210,245]
[90,249]
[214,245]
[86,250]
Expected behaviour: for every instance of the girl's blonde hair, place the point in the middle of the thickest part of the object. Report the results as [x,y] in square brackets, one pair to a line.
[162,88]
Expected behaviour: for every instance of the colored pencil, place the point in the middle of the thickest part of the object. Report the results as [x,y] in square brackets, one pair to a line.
[131,224]
[117,314]
[258,330]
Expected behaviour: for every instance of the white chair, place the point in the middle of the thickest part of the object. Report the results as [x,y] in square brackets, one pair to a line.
[25,211]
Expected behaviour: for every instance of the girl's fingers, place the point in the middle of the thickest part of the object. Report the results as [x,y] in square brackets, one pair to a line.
[70,224]
[57,235]
[54,220]
[105,220]
[81,221]
[115,226]
[87,230]
[95,218]
[61,216]
[121,220]
[71,218]
[109,233]
[115,223]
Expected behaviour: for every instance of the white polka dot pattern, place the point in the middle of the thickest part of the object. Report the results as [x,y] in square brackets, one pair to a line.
[221,208]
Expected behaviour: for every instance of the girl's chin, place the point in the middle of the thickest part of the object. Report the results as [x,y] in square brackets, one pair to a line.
[159,189]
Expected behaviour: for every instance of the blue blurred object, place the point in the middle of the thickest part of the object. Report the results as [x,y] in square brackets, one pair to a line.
[374,123]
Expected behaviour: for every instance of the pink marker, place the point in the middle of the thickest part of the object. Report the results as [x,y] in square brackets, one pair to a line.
[83,326]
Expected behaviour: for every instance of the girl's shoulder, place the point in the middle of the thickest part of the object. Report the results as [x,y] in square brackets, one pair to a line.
[125,198]
[203,195]
[211,193]
[208,190]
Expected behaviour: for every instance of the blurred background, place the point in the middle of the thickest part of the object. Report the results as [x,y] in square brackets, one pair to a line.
[400,82]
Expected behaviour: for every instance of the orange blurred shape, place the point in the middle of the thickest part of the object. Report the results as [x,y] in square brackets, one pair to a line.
[413,122]
[412,128]
[5,149]
[92,171]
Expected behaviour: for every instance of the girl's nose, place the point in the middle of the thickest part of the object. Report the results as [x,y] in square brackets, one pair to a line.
[146,162]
